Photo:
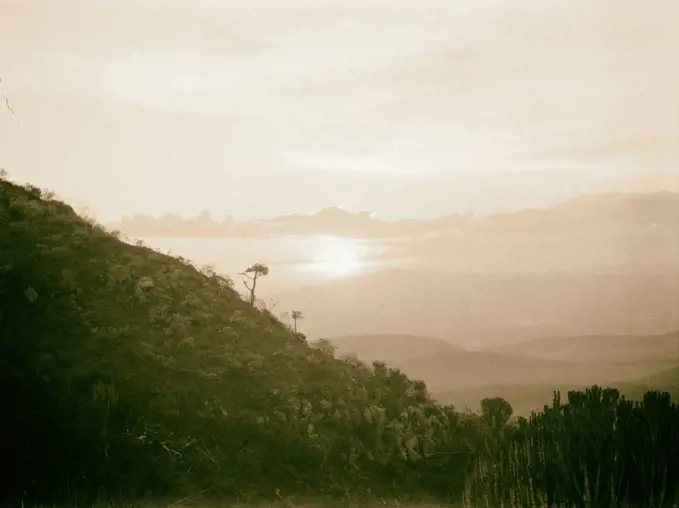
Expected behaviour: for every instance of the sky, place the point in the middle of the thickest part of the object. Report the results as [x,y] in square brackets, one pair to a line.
[408,109]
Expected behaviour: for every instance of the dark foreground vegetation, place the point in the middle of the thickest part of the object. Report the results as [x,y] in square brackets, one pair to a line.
[127,374]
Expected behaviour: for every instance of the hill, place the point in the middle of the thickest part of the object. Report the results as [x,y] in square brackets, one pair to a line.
[127,372]
[487,309]
[445,367]
[634,364]
[473,369]
[665,381]
[621,349]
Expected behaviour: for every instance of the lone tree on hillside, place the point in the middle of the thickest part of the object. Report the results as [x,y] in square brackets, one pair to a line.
[253,273]
[296,314]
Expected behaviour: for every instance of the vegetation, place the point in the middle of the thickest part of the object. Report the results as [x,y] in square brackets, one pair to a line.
[253,273]
[665,381]
[130,374]
[296,314]
[134,374]
[597,450]
[526,399]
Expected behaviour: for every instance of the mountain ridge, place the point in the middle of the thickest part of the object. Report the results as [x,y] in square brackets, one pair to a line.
[445,367]
[659,208]
[619,348]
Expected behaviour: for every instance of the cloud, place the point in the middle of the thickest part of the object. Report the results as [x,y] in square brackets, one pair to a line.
[259,91]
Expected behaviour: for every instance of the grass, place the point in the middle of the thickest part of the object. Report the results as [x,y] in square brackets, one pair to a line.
[309,502]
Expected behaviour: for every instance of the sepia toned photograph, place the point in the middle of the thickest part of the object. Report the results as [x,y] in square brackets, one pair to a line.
[339,253]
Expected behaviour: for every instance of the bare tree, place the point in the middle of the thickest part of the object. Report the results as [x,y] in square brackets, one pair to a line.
[253,273]
[296,314]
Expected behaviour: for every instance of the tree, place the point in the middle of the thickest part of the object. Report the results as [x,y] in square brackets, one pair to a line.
[496,411]
[253,273]
[296,314]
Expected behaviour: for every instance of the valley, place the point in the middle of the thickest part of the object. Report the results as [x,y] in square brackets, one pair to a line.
[526,373]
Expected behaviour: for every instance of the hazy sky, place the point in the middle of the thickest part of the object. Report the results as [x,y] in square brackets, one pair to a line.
[406,108]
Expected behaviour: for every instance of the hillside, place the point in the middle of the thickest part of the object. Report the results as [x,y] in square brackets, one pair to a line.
[621,349]
[131,372]
[665,381]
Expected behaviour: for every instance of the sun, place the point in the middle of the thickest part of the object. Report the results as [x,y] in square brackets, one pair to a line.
[337,257]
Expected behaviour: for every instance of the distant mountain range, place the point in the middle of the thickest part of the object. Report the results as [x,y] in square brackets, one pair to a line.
[621,349]
[464,377]
[332,221]
[606,263]
[647,213]
[483,310]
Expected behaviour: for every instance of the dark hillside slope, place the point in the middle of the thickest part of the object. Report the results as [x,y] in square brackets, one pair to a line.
[127,371]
